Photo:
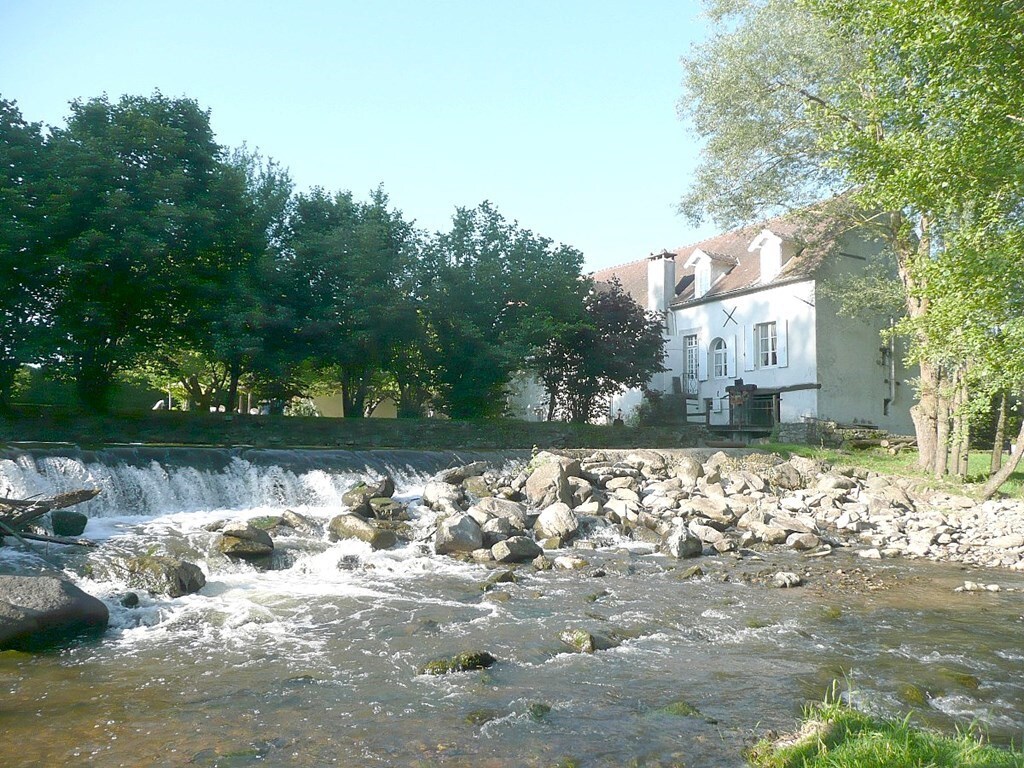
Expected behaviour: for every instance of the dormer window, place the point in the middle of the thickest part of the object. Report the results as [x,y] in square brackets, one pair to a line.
[702,279]
[707,269]
[774,252]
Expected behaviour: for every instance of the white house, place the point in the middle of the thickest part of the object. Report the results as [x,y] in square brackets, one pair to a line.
[751,342]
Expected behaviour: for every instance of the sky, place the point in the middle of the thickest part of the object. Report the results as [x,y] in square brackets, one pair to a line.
[563,113]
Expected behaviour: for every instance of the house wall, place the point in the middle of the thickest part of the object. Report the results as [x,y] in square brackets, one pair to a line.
[733,319]
[861,370]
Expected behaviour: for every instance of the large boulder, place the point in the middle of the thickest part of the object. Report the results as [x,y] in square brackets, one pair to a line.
[158,574]
[517,514]
[245,541]
[549,481]
[689,471]
[443,497]
[557,521]
[68,522]
[41,611]
[458,533]
[357,498]
[352,526]
[517,549]
[681,543]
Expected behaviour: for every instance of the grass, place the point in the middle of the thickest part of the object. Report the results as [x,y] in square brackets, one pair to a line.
[833,735]
[904,464]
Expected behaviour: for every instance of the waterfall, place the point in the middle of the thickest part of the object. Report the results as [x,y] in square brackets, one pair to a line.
[140,480]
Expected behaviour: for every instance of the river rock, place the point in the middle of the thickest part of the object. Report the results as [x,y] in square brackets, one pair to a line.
[41,611]
[517,514]
[463,662]
[458,533]
[680,543]
[157,574]
[245,541]
[557,520]
[803,541]
[443,497]
[386,508]
[582,641]
[297,522]
[357,498]
[786,476]
[517,549]
[458,475]
[477,487]
[352,526]
[68,522]
[787,579]
[548,484]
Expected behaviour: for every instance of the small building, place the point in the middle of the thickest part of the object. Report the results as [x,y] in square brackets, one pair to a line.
[751,342]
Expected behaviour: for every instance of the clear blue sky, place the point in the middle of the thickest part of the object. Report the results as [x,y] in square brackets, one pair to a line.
[562,113]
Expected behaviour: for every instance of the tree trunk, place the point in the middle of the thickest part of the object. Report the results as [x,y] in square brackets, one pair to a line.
[942,415]
[997,447]
[1007,469]
[964,434]
[234,373]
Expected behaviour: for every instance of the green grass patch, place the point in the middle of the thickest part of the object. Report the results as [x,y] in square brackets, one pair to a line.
[834,735]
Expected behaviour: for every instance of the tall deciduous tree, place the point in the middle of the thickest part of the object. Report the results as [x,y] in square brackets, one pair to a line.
[144,220]
[25,268]
[614,345]
[491,293]
[345,266]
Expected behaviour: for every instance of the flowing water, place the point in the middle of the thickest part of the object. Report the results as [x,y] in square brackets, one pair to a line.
[315,661]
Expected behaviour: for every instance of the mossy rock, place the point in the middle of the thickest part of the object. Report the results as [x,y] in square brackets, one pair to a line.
[538,710]
[499,577]
[683,708]
[463,662]
[482,716]
[912,694]
[265,522]
[693,572]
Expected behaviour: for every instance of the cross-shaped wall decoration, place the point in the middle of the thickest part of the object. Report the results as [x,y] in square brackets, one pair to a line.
[729,316]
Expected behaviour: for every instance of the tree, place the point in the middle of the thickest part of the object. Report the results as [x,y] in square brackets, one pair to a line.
[490,293]
[143,222]
[894,103]
[345,265]
[25,268]
[615,345]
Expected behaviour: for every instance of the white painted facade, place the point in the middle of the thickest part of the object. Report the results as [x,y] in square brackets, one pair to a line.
[770,327]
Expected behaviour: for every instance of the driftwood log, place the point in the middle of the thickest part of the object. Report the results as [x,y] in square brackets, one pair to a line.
[17,514]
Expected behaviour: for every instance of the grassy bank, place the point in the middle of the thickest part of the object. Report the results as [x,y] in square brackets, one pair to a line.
[833,735]
[218,429]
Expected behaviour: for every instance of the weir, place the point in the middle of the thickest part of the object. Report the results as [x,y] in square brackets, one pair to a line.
[145,481]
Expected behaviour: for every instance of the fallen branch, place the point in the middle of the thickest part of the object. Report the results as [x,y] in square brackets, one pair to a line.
[16,514]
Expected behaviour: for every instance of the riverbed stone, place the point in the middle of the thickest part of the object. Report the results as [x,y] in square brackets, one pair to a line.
[462,662]
[68,522]
[516,549]
[680,543]
[548,484]
[41,611]
[458,475]
[787,580]
[443,497]
[458,533]
[245,541]
[557,520]
[517,514]
[351,526]
[157,574]
[583,641]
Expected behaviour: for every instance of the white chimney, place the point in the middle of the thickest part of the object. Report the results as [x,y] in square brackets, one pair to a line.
[661,281]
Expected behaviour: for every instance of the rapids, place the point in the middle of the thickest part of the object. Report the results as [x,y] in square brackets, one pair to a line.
[315,662]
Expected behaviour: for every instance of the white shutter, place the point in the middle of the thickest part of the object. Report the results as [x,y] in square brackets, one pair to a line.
[702,360]
[730,357]
[782,346]
[749,351]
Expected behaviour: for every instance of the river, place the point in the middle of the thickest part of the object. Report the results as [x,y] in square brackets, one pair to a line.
[315,662]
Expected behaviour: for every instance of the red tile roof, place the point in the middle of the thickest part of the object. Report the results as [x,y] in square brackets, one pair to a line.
[731,247]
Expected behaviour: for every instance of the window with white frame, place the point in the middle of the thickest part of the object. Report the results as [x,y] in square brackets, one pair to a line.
[720,359]
[690,349]
[703,277]
[767,345]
